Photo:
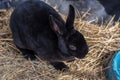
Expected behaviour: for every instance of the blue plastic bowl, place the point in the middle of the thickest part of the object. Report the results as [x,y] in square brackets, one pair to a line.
[113,73]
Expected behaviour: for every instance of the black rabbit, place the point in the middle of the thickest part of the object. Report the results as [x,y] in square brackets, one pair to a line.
[39,30]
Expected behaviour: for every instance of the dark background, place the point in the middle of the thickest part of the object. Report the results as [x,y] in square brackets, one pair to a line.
[100,10]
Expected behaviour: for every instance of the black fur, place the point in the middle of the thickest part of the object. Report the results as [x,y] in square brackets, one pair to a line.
[39,30]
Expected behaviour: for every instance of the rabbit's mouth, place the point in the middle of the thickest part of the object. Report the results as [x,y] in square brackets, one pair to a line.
[61,59]
[68,59]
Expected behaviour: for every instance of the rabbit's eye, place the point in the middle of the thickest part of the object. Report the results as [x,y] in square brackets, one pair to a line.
[72,47]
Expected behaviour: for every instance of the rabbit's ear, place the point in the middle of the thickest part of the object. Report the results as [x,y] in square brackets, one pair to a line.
[70,18]
[54,26]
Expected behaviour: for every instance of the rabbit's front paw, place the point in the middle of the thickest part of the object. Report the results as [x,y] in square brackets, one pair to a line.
[60,66]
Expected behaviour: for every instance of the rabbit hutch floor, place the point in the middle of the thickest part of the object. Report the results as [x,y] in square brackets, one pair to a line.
[102,41]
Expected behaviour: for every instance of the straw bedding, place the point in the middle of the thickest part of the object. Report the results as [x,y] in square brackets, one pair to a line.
[102,41]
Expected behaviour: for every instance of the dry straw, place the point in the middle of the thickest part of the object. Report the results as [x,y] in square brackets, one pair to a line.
[102,41]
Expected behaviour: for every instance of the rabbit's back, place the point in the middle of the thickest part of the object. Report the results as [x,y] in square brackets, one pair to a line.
[31,27]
